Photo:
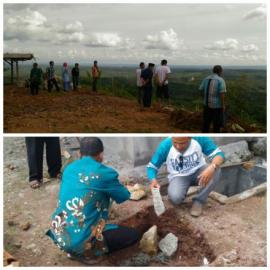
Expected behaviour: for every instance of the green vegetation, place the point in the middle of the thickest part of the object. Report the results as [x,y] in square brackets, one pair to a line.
[246,88]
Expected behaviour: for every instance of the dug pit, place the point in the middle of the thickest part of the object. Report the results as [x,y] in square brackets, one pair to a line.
[193,248]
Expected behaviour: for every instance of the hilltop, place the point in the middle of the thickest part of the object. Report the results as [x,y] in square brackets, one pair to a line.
[85,112]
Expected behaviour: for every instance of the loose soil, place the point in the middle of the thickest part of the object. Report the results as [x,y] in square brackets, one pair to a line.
[83,111]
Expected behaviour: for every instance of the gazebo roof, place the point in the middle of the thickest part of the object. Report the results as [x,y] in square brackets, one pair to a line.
[18,56]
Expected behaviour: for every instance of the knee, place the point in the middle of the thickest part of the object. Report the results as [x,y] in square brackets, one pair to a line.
[176,199]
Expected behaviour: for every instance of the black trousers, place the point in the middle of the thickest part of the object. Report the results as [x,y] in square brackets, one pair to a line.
[75,80]
[94,84]
[120,238]
[147,96]
[212,116]
[34,86]
[35,149]
[52,82]
[163,92]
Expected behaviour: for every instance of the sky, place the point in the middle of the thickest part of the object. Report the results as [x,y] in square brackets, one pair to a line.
[184,34]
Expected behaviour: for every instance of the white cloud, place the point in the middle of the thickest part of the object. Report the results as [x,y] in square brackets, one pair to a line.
[223,45]
[77,26]
[109,40]
[250,48]
[164,40]
[257,13]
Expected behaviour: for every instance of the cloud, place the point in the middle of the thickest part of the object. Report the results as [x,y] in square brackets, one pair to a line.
[257,13]
[113,40]
[249,48]
[223,45]
[164,40]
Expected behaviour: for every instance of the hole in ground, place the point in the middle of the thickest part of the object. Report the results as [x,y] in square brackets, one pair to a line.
[236,179]
[192,245]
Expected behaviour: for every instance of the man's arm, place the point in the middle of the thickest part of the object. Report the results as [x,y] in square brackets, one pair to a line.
[157,160]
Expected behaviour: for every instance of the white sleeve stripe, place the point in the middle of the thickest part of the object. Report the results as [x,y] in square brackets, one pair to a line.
[151,165]
[215,152]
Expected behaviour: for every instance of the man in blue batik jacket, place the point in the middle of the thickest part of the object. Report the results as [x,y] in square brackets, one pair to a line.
[186,165]
[79,224]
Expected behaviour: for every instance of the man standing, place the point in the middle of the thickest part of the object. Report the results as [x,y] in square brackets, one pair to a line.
[35,79]
[139,83]
[95,75]
[214,89]
[50,74]
[35,149]
[186,165]
[75,76]
[147,75]
[79,224]
[162,75]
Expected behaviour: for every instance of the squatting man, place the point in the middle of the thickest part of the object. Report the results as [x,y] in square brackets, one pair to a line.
[186,165]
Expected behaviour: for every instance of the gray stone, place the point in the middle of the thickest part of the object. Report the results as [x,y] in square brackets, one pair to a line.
[259,147]
[149,241]
[169,244]
[31,246]
[157,201]
[236,152]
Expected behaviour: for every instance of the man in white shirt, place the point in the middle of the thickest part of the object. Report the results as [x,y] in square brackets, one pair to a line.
[140,84]
[161,76]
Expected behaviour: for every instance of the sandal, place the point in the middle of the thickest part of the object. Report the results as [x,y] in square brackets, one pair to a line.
[35,184]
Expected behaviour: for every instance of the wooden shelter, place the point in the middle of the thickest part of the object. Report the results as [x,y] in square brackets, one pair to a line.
[12,58]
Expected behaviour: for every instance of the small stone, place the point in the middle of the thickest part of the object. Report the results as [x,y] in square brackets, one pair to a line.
[148,243]
[31,246]
[17,245]
[11,223]
[26,226]
[169,244]
[137,195]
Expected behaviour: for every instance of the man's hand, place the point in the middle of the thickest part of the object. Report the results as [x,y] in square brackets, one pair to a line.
[154,184]
[206,175]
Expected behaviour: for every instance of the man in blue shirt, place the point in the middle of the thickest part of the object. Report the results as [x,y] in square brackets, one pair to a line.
[214,89]
[79,224]
[147,75]
[186,165]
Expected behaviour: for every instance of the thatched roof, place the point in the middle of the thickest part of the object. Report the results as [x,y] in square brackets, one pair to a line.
[18,56]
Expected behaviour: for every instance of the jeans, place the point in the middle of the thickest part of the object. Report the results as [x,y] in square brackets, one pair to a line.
[179,185]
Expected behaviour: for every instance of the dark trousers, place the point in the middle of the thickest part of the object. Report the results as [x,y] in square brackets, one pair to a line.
[52,82]
[147,96]
[75,80]
[212,116]
[140,95]
[120,238]
[163,92]
[94,84]
[34,86]
[35,149]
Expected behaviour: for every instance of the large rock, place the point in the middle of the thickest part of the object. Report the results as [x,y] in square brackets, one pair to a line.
[149,241]
[259,147]
[169,244]
[236,152]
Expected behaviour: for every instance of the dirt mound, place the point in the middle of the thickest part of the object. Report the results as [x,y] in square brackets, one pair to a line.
[192,247]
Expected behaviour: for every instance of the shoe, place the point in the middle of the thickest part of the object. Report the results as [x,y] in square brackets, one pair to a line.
[196,209]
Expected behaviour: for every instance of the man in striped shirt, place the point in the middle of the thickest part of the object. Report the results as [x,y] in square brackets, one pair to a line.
[186,166]
[214,89]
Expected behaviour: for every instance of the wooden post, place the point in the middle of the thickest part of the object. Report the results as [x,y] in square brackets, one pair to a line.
[17,71]
[11,69]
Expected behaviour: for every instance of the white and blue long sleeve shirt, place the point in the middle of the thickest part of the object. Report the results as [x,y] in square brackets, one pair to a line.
[192,158]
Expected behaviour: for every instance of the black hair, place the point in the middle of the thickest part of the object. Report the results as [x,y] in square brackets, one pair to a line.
[91,146]
[141,64]
[217,69]
[163,62]
[95,62]
[151,65]
[35,65]
[76,64]
[51,62]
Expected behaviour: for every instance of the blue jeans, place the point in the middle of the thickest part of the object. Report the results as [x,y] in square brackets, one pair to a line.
[179,185]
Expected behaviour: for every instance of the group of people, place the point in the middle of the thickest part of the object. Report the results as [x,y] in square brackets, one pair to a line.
[213,88]
[80,226]
[145,77]
[36,76]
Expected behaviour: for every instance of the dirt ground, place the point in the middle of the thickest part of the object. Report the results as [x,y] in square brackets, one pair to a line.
[235,235]
[78,112]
